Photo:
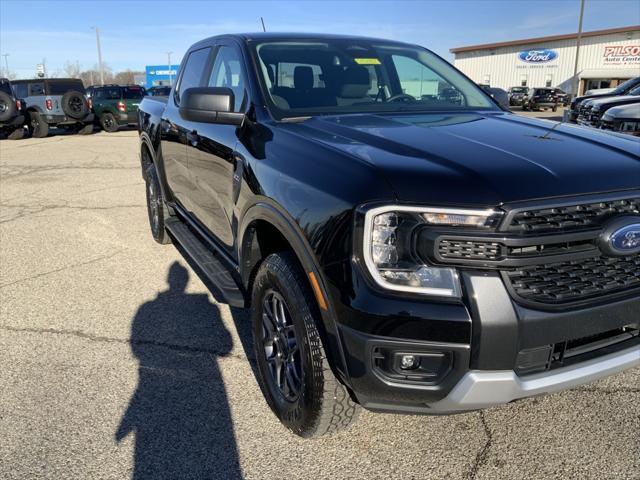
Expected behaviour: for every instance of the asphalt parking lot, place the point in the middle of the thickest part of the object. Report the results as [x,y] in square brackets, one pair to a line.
[117,362]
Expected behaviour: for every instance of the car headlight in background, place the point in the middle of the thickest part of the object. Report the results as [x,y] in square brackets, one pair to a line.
[389,253]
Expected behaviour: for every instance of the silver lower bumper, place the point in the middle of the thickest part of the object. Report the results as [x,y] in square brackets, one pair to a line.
[481,388]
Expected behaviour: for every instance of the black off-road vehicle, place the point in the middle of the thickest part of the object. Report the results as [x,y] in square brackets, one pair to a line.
[11,112]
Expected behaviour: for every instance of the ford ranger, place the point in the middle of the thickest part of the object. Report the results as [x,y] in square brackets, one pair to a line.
[400,248]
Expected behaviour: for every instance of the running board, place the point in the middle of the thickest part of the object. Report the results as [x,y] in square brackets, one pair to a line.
[215,270]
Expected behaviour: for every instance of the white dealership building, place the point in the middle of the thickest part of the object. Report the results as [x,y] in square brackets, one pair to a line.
[606,59]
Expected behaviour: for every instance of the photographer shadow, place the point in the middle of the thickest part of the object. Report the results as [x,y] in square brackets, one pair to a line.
[179,413]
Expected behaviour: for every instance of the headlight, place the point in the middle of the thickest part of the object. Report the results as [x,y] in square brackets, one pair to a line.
[389,253]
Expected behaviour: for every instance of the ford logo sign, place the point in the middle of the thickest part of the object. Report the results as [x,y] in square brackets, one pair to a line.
[537,56]
[621,237]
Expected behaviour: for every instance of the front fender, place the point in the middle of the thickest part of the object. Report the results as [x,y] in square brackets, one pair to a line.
[270,212]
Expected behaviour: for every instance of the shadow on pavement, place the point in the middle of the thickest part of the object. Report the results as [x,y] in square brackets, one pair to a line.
[179,413]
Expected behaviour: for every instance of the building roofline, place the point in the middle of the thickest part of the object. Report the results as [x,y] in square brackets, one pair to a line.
[525,41]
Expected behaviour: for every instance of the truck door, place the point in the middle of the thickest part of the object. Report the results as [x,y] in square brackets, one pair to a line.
[211,151]
[175,130]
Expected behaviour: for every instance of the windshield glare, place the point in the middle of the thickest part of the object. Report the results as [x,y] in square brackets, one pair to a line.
[354,76]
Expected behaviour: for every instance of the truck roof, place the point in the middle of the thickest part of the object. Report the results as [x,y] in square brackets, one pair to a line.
[279,36]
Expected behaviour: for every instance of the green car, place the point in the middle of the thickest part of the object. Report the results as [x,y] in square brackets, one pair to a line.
[116,105]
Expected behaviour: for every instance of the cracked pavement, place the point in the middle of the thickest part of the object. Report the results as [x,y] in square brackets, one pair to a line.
[117,362]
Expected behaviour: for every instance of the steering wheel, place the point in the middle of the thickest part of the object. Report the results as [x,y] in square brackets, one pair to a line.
[400,96]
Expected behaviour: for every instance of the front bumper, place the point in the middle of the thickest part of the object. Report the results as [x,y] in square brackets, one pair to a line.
[481,389]
[481,346]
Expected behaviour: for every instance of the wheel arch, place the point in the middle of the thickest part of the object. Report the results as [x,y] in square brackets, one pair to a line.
[269,221]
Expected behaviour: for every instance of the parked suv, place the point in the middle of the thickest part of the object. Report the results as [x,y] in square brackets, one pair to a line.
[591,110]
[399,251]
[116,105]
[577,104]
[55,102]
[11,112]
[517,94]
[539,98]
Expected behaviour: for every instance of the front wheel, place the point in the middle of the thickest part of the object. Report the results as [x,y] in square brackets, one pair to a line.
[293,370]
[156,206]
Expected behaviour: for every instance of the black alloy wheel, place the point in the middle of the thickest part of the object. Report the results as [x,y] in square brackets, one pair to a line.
[281,346]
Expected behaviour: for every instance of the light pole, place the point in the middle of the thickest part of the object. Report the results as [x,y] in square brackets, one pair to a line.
[97,29]
[574,87]
[169,65]
[6,63]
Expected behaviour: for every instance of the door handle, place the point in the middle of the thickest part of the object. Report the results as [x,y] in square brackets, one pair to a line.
[193,138]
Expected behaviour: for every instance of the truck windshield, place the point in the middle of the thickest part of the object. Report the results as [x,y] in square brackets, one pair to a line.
[304,78]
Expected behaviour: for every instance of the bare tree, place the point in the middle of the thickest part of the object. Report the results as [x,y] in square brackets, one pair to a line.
[72,69]
[126,77]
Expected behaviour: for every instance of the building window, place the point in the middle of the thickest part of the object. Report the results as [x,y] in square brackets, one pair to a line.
[486,80]
[523,80]
[548,80]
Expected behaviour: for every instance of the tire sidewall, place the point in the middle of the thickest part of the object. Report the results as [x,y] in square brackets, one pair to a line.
[11,110]
[157,228]
[42,129]
[299,414]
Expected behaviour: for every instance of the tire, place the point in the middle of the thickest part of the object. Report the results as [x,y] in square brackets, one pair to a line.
[524,107]
[308,399]
[108,122]
[38,128]
[85,129]
[156,207]
[8,108]
[74,105]
[554,108]
[17,134]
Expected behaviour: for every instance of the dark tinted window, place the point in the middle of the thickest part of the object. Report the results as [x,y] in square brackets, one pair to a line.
[193,71]
[111,93]
[21,90]
[6,88]
[131,93]
[60,87]
[36,88]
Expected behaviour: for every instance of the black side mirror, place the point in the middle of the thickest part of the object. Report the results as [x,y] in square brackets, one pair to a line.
[209,105]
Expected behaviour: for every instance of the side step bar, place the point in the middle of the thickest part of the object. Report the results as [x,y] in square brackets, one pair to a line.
[215,270]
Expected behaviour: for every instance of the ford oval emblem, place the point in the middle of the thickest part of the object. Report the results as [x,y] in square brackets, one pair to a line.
[537,56]
[622,237]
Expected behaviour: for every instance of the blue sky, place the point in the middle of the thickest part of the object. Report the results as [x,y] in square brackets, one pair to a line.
[137,33]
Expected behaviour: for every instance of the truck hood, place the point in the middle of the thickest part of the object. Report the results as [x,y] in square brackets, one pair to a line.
[477,159]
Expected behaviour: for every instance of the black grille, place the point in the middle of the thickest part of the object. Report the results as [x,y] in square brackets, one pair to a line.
[469,249]
[567,282]
[572,217]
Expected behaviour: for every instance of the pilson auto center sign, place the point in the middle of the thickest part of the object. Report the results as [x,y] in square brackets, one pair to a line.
[622,54]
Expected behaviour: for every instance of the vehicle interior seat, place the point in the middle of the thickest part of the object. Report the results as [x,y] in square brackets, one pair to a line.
[304,94]
[356,82]
[278,99]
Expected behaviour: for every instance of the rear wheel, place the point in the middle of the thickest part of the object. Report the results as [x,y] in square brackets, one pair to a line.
[156,206]
[37,127]
[108,122]
[293,370]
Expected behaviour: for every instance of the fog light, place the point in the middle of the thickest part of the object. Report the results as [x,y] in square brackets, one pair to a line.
[408,362]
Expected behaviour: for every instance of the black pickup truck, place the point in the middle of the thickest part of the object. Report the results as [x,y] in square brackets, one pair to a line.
[398,248]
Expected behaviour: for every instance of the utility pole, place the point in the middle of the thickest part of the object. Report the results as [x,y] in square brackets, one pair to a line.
[575,86]
[169,65]
[6,63]
[99,55]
